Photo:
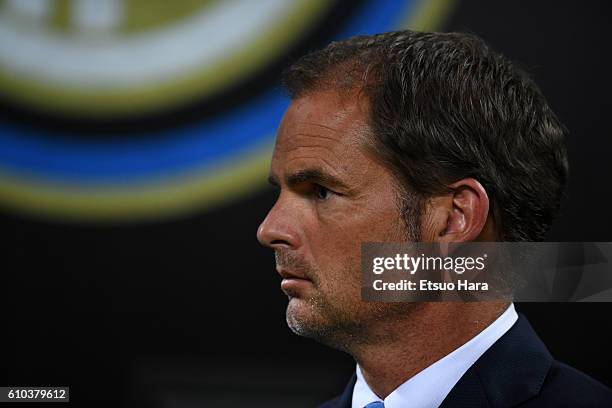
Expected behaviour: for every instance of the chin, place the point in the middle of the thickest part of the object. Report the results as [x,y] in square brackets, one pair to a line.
[306,319]
[300,316]
[303,318]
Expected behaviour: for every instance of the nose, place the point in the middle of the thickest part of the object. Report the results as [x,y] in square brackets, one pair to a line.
[278,229]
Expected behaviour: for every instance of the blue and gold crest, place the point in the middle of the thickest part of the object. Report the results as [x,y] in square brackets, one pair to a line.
[134,109]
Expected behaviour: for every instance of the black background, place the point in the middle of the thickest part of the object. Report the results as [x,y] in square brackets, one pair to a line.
[188,311]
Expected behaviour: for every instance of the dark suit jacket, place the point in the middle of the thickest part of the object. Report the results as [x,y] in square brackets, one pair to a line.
[517,371]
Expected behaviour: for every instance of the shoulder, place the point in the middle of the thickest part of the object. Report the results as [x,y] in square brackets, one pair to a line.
[564,386]
[518,371]
[333,403]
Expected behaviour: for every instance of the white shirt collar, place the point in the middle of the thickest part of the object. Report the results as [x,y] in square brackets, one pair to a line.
[429,387]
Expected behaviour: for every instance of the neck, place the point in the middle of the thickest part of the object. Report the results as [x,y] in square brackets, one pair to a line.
[404,348]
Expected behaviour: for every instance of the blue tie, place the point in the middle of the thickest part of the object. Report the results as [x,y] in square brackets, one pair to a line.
[377,404]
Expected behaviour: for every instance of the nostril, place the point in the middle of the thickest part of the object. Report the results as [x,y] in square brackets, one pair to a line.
[280,242]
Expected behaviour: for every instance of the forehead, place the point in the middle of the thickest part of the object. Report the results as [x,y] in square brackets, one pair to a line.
[325,129]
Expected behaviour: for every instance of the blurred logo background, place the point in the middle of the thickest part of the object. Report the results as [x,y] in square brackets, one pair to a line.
[135,137]
[132,109]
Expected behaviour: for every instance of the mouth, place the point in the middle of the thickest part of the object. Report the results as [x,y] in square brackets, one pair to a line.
[286,274]
[292,282]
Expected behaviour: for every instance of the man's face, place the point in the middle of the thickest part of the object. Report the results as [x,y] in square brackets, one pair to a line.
[333,196]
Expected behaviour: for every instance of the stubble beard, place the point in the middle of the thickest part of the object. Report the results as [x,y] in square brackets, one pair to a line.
[317,319]
[324,316]
[339,318]
[347,324]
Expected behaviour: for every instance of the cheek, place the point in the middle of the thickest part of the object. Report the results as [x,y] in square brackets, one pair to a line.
[378,222]
[337,244]
[335,257]
[334,235]
[336,248]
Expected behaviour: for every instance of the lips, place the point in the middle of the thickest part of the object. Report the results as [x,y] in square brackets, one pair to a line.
[294,284]
[285,274]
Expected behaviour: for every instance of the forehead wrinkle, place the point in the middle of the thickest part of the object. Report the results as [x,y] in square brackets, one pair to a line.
[317,136]
[328,128]
[311,150]
[307,140]
[328,165]
[298,137]
[315,146]
[346,138]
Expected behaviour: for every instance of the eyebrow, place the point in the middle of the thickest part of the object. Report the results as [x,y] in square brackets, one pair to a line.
[313,175]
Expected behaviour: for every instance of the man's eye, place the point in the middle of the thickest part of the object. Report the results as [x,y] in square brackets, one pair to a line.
[322,193]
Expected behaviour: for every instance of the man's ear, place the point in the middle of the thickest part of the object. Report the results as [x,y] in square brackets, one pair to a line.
[460,215]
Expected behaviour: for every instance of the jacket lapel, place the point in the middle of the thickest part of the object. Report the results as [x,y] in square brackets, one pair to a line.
[508,373]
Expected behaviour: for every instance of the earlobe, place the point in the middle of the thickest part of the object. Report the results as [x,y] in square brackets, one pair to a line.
[468,213]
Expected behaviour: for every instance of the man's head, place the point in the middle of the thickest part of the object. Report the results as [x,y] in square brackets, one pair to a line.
[402,136]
